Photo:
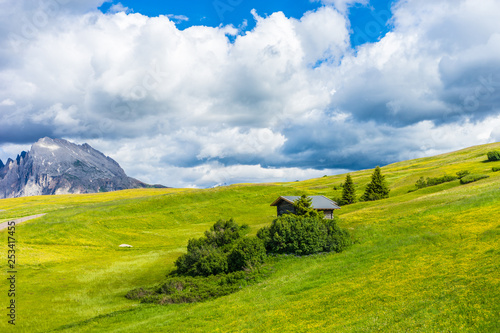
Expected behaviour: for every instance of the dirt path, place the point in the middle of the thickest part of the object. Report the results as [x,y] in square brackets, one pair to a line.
[21,220]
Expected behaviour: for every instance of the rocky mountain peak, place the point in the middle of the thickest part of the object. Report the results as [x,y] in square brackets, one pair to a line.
[21,157]
[56,166]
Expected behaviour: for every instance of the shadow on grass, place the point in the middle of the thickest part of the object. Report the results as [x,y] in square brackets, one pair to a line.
[88,321]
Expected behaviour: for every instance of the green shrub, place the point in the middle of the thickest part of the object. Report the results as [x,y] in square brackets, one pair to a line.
[295,234]
[139,293]
[202,260]
[303,235]
[223,233]
[248,252]
[495,169]
[337,239]
[440,180]
[208,255]
[264,234]
[472,178]
[462,174]
[187,289]
[421,183]
[338,187]
[494,155]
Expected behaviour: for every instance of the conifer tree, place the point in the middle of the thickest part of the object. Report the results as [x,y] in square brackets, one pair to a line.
[348,192]
[377,189]
[303,207]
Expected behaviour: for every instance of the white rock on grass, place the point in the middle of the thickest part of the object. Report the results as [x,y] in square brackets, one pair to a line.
[126,245]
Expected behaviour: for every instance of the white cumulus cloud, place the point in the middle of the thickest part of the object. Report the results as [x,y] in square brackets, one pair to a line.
[119,7]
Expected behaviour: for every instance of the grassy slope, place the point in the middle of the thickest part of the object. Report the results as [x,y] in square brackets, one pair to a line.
[425,261]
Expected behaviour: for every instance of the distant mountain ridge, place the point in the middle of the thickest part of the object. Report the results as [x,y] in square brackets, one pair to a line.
[56,166]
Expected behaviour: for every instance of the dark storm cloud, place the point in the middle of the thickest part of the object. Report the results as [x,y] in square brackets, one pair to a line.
[25,133]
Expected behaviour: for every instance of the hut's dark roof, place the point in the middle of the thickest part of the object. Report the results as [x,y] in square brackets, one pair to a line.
[318,201]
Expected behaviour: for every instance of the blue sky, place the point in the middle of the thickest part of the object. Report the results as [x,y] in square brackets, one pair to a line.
[369,22]
[196,98]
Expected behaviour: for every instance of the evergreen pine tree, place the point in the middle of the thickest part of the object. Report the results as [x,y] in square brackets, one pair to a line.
[348,192]
[377,189]
[303,207]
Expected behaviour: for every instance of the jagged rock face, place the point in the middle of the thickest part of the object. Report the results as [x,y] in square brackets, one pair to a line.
[55,166]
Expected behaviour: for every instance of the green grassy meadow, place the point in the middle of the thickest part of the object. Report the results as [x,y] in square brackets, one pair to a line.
[425,261]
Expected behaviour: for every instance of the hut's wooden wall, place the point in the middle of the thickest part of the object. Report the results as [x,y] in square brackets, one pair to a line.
[285,207]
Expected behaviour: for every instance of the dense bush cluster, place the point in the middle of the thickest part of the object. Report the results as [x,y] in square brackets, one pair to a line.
[494,155]
[248,252]
[462,174]
[303,235]
[222,250]
[495,169]
[188,289]
[421,183]
[472,178]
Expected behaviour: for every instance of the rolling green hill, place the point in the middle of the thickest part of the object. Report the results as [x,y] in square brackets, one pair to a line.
[425,261]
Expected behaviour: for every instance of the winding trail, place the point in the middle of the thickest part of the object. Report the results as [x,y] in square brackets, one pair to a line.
[20,220]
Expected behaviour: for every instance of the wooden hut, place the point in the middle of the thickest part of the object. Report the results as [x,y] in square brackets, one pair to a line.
[284,205]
